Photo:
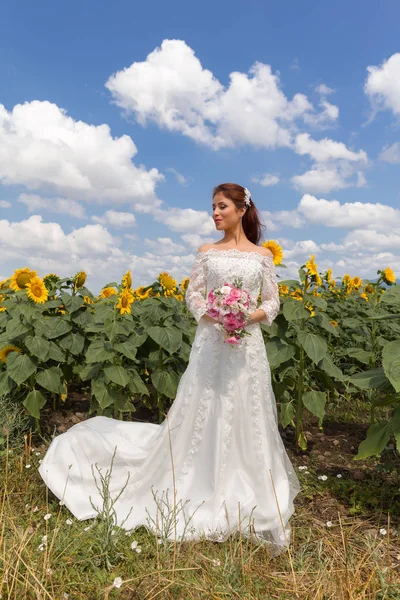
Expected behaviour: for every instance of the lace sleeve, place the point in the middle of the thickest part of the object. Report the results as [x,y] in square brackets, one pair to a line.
[270,302]
[196,290]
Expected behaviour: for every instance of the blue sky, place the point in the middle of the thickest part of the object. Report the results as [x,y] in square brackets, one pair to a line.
[117,120]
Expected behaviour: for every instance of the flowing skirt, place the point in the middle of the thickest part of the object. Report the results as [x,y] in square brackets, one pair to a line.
[217,463]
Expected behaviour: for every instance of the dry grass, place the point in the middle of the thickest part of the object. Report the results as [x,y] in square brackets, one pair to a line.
[351,560]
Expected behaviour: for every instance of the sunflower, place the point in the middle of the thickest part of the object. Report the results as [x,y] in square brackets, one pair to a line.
[334,323]
[107,292]
[143,293]
[388,276]
[328,275]
[4,284]
[184,283]
[179,297]
[36,290]
[87,300]
[276,249]
[297,294]
[346,279]
[21,278]
[357,282]
[167,282]
[332,283]
[311,266]
[310,307]
[5,351]
[124,302]
[283,290]
[364,297]
[127,280]
[369,288]
[80,279]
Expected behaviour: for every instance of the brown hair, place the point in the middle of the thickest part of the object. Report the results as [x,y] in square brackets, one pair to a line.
[251,221]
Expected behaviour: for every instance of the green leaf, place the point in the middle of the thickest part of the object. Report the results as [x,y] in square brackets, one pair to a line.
[360,354]
[55,353]
[322,320]
[392,295]
[117,375]
[15,329]
[371,379]
[302,441]
[293,310]
[83,317]
[352,323]
[20,367]
[315,402]
[90,371]
[136,385]
[168,338]
[378,436]
[38,346]
[98,352]
[72,303]
[105,395]
[53,327]
[127,349]
[395,426]
[391,363]
[327,365]
[137,339]
[316,301]
[278,352]
[34,402]
[6,383]
[165,382]
[74,342]
[286,413]
[314,345]
[50,379]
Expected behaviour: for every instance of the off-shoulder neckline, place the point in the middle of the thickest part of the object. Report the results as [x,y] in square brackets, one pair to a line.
[237,251]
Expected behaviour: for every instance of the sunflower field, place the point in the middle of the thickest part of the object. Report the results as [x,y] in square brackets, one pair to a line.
[334,340]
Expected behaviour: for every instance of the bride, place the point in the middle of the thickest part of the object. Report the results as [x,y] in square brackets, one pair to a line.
[217,462]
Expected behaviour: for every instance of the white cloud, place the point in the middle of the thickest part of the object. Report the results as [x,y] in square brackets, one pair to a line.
[35,202]
[282,218]
[383,85]
[327,150]
[324,90]
[328,115]
[320,180]
[116,218]
[194,241]
[186,220]
[350,215]
[41,147]
[5,204]
[179,177]
[301,249]
[266,180]
[391,154]
[172,89]
[165,245]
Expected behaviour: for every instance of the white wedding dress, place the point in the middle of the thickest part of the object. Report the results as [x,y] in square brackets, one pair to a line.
[230,468]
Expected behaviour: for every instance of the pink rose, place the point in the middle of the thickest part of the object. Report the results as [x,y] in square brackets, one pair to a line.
[211,297]
[233,340]
[214,313]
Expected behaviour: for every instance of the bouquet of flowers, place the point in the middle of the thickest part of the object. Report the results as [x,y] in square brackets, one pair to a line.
[229,305]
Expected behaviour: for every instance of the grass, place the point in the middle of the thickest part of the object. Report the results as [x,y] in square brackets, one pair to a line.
[335,553]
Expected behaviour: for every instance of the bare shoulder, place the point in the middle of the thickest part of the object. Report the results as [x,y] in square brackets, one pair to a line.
[205,247]
[264,251]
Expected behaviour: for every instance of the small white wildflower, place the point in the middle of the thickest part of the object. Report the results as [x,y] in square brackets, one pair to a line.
[303,468]
[138,549]
[49,571]
[117,582]
[134,544]
[87,528]
[329,523]
[47,517]
[339,476]
[216,562]
[27,466]
[26,505]
[37,453]
[44,539]
[35,509]
[65,596]
[40,460]
[41,547]
[159,541]
[383,531]
[323,477]
[68,522]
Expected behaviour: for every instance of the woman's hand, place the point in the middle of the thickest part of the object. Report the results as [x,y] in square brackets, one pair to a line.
[208,318]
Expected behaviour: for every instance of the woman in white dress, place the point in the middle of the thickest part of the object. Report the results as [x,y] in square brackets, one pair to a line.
[218,456]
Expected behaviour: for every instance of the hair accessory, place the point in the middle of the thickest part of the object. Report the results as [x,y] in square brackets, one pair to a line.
[247,197]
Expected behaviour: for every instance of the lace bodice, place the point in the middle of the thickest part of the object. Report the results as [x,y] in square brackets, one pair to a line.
[213,268]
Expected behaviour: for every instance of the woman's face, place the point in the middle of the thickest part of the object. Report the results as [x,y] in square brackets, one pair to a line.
[225,213]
